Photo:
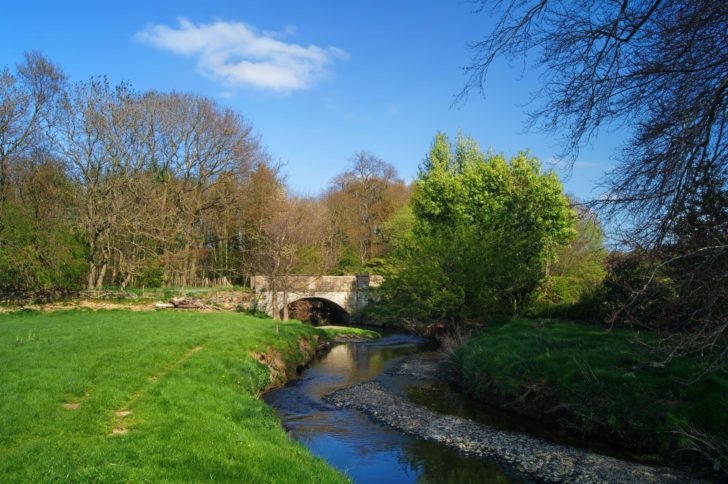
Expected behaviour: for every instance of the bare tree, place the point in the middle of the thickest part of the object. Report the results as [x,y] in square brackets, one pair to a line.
[658,68]
[199,149]
[184,198]
[27,102]
[283,235]
[168,185]
[367,195]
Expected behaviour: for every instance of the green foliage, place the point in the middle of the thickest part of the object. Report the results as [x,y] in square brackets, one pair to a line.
[399,228]
[601,378]
[349,262]
[40,248]
[189,381]
[636,291]
[37,256]
[150,275]
[256,313]
[484,230]
[419,288]
[376,265]
[309,260]
[355,332]
[575,273]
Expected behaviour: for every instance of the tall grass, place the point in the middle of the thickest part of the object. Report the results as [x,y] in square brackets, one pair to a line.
[600,382]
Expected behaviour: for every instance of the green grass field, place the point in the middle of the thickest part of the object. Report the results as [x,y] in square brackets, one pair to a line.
[601,378]
[145,396]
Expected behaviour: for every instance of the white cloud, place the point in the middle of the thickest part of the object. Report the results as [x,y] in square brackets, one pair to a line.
[238,55]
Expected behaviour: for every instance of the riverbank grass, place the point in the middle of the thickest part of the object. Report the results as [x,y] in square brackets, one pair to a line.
[596,380]
[351,333]
[146,396]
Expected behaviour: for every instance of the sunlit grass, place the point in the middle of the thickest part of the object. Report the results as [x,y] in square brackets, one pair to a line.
[358,332]
[145,396]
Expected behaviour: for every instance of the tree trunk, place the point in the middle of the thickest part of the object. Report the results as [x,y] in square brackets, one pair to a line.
[285,298]
[126,281]
[91,280]
[193,267]
[274,299]
[4,169]
[116,262]
[185,264]
[102,274]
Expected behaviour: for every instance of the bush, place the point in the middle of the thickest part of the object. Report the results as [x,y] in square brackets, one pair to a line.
[151,275]
[636,291]
[256,313]
[35,258]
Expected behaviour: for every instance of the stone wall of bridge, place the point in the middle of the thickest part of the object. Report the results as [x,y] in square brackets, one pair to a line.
[351,292]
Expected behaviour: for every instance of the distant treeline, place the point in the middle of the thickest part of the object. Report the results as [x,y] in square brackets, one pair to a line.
[104,185]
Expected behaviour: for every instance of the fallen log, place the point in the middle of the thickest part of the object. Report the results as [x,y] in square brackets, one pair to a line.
[187,303]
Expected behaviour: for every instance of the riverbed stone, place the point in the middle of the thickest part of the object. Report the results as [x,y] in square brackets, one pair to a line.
[428,365]
[520,454]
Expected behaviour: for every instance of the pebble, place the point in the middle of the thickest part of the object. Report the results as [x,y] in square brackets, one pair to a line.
[523,455]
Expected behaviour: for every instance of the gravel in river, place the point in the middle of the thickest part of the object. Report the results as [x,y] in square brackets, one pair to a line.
[527,456]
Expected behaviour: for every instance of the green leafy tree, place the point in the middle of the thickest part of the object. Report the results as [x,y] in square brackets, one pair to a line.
[41,249]
[484,231]
[578,268]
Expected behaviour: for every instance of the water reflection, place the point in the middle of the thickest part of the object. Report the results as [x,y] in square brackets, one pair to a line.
[443,398]
[348,440]
[443,465]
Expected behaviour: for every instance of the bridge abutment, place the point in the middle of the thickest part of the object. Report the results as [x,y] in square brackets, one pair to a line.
[351,293]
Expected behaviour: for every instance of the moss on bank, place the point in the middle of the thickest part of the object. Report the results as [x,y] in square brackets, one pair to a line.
[596,381]
[345,333]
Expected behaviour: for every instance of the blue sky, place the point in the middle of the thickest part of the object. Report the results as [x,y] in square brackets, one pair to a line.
[318,80]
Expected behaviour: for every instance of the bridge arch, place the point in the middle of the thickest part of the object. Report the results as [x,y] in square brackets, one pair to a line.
[350,294]
[318,311]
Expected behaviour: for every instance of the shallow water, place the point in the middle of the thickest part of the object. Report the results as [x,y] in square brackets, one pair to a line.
[348,440]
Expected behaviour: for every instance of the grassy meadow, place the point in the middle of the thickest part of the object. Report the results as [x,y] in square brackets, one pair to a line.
[146,396]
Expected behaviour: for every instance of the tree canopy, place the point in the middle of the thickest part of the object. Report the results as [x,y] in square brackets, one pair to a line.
[484,230]
[103,185]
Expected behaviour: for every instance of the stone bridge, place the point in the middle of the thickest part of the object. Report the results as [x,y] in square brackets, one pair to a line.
[317,299]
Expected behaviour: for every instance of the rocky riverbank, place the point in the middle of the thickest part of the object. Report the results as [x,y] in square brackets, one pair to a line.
[525,456]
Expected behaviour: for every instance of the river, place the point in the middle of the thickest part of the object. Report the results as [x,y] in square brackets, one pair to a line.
[398,380]
[350,441]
